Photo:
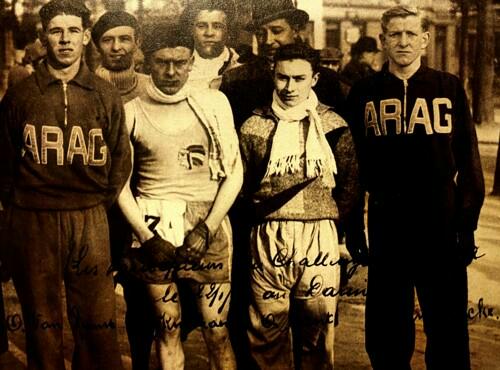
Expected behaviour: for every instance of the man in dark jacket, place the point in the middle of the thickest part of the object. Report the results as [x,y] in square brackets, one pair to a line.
[363,53]
[275,23]
[419,162]
[65,157]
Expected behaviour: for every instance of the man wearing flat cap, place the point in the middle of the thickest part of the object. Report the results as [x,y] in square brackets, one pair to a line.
[116,35]
[275,24]
[210,23]
[189,172]
[65,158]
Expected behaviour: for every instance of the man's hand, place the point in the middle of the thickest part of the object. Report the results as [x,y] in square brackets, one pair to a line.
[156,251]
[356,245]
[467,246]
[195,244]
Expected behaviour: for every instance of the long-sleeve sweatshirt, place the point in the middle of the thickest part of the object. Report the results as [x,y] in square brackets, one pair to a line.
[63,146]
[315,201]
[417,143]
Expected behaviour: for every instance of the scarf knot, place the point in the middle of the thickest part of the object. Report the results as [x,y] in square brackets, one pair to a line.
[286,150]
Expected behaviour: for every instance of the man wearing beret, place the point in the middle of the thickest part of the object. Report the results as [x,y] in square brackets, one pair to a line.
[117,37]
[66,157]
[188,171]
[275,24]
[210,23]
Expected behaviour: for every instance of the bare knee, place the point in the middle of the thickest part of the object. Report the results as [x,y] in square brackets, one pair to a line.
[216,337]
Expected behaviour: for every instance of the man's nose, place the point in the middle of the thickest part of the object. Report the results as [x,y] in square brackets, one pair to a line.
[116,45]
[64,39]
[209,31]
[269,37]
[290,85]
[170,71]
[404,40]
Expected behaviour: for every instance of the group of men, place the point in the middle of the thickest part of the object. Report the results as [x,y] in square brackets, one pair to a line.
[154,163]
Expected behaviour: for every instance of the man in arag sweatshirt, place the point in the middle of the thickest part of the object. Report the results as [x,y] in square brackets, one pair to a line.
[65,157]
[419,162]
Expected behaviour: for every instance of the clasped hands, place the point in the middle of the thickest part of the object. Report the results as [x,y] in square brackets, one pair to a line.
[157,251]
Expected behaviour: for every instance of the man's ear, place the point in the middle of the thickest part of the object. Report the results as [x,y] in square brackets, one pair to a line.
[191,61]
[43,38]
[87,37]
[315,79]
[426,36]
[382,39]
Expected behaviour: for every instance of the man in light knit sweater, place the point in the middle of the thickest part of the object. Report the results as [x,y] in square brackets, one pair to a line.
[116,35]
[189,172]
[291,172]
[65,158]
[210,23]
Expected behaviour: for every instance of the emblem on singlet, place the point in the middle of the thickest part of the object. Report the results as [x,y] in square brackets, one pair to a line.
[192,156]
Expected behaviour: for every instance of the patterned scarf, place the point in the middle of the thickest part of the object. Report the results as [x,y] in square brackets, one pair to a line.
[286,150]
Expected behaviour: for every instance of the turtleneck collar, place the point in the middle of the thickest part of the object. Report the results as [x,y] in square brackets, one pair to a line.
[125,81]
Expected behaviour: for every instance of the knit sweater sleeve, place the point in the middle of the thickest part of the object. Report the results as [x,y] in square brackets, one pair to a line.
[470,181]
[119,147]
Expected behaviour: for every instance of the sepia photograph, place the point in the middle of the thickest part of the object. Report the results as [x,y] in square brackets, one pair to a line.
[249,184]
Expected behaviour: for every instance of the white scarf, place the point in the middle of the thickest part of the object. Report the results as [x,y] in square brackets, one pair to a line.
[157,95]
[286,150]
[215,154]
[205,70]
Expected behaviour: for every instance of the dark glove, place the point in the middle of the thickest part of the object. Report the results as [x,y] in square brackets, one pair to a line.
[195,244]
[467,246]
[156,252]
[356,245]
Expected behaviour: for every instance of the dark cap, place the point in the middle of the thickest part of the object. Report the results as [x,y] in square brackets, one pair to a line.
[265,11]
[111,20]
[166,35]
[364,44]
[70,7]
[330,54]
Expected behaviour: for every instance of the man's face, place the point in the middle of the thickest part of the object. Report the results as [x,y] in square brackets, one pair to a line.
[273,35]
[293,80]
[117,46]
[210,33]
[170,68]
[404,41]
[65,38]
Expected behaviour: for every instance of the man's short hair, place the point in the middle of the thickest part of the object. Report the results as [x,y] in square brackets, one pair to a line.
[111,20]
[68,7]
[194,7]
[403,11]
[165,35]
[299,50]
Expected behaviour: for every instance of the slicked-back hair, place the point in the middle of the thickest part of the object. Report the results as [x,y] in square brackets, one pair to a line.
[64,7]
[299,50]
[402,11]
[194,7]
[164,35]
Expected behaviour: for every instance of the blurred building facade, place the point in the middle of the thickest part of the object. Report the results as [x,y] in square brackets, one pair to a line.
[340,23]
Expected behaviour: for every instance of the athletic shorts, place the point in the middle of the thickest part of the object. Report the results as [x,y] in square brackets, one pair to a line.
[173,220]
